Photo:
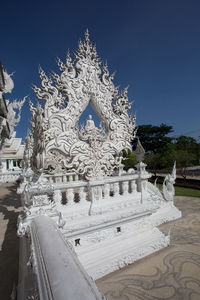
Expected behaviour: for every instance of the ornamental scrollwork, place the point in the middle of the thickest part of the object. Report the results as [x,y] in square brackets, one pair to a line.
[91,151]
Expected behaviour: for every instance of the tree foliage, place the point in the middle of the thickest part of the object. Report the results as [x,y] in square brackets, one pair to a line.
[129,160]
[154,138]
[162,150]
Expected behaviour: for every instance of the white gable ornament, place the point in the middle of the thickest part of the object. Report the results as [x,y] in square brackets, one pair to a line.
[92,152]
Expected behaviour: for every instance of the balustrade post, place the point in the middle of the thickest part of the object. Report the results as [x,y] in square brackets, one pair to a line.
[70,196]
[125,188]
[99,193]
[64,178]
[133,186]
[76,177]
[116,189]
[57,196]
[106,191]
[91,193]
[82,195]
[70,177]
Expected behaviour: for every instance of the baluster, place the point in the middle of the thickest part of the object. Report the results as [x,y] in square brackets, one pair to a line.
[64,178]
[125,188]
[82,195]
[76,177]
[99,193]
[133,186]
[91,193]
[106,191]
[70,196]
[51,179]
[116,189]
[57,196]
[70,177]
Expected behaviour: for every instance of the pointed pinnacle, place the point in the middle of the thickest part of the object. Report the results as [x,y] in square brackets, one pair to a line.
[87,36]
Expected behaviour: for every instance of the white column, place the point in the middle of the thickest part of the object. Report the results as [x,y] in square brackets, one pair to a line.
[116,189]
[70,196]
[133,186]
[125,188]
[107,191]
[57,196]
[82,195]
[99,193]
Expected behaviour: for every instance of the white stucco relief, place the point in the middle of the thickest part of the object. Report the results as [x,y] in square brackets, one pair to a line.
[82,81]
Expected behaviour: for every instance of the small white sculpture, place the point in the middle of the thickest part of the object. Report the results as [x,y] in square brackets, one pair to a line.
[9,84]
[11,117]
[61,222]
[168,185]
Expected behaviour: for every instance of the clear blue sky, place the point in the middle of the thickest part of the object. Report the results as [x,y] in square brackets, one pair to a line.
[154,45]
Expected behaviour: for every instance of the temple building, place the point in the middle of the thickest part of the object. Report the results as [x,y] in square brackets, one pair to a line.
[11,159]
[4,126]
[76,195]
[11,148]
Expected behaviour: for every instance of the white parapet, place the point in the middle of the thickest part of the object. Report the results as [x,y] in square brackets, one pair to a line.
[59,273]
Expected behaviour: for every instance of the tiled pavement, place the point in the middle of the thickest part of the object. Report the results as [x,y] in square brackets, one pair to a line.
[172,273]
[10,206]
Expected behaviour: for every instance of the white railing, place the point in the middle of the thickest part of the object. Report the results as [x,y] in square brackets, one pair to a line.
[10,176]
[53,270]
[70,189]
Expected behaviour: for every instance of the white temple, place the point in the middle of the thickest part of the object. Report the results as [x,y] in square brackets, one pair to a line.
[11,149]
[76,178]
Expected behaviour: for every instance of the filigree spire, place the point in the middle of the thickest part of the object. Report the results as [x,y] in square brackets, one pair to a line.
[87,51]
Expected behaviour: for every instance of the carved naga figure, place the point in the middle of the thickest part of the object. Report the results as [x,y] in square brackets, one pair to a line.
[93,152]
[168,185]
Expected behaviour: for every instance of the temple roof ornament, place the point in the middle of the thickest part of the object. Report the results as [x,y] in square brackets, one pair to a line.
[14,108]
[55,126]
[139,151]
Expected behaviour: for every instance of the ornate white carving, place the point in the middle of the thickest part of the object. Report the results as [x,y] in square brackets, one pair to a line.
[58,143]
[9,84]
[40,200]
[28,151]
[11,117]
[61,222]
[168,185]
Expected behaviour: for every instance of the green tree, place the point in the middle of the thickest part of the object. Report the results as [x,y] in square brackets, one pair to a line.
[167,156]
[184,160]
[190,145]
[129,160]
[154,138]
[153,162]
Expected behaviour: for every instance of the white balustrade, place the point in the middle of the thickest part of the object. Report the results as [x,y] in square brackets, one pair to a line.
[70,183]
